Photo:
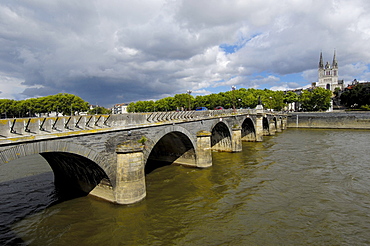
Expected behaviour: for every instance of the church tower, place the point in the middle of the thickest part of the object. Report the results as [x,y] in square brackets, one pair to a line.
[328,74]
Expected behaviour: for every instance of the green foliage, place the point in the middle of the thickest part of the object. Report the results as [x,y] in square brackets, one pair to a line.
[365,108]
[317,99]
[142,140]
[241,98]
[142,106]
[290,97]
[337,91]
[64,103]
[165,104]
[68,104]
[99,110]
[131,107]
[182,101]
[356,97]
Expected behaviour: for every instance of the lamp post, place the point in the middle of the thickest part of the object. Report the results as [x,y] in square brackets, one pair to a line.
[270,103]
[233,89]
[189,92]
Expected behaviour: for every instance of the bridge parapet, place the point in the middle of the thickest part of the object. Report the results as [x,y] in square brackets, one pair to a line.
[23,129]
[30,127]
[186,115]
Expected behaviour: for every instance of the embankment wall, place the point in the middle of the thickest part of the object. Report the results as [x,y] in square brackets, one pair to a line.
[330,120]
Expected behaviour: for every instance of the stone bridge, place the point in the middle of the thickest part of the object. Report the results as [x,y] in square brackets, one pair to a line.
[108,155]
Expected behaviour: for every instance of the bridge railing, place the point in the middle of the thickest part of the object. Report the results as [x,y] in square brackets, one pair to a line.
[28,127]
[186,115]
[18,127]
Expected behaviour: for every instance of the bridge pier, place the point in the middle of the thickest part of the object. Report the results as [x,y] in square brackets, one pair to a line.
[278,125]
[272,127]
[236,139]
[284,122]
[130,177]
[204,149]
[259,127]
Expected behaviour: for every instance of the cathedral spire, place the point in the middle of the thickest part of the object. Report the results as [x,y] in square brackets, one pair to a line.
[335,63]
[321,63]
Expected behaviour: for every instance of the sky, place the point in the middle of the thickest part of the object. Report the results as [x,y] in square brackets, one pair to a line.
[119,51]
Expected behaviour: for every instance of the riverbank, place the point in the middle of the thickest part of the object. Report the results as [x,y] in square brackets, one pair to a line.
[330,120]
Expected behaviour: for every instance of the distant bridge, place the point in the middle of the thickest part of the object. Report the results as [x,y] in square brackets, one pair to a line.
[108,155]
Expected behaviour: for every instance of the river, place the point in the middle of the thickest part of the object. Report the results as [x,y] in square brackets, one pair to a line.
[299,187]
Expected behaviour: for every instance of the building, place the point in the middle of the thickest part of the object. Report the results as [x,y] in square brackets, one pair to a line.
[119,108]
[328,75]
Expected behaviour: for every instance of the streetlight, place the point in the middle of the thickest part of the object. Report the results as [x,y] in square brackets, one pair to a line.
[233,89]
[189,92]
[270,103]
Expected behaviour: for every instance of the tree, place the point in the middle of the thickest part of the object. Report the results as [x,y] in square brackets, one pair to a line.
[202,101]
[214,100]
[278,100]
[181,100]
[99,110]
[165,104]
[68,104]
[7,107]
[290,97]
[317,99]
[140,106]
[131,107]
[356,97]
[150,106]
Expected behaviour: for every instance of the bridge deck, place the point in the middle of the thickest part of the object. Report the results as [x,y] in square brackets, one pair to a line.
[31,129]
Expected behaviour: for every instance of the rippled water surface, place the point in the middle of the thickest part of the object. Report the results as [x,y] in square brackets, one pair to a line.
[299,187]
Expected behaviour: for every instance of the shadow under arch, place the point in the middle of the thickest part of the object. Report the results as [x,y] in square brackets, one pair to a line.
[221,137]
[248,130]
[77,169]
[74,175]
[173,148]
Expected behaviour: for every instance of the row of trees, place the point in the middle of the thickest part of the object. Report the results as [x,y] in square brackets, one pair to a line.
[66,104]
[358,97]
[69,104]
[310,100]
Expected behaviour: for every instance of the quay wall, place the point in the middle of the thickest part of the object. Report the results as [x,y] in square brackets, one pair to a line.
[329,120]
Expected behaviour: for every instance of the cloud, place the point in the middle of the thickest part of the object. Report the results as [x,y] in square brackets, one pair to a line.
[357,70]
[11,87]
[111,52]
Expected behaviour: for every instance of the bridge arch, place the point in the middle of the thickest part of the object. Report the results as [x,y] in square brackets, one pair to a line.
[77,169]
[248,130]
[221,137]
[173,145]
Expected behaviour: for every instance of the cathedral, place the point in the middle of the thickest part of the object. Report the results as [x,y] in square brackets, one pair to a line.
[328,75]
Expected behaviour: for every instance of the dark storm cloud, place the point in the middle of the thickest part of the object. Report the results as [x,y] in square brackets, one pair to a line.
[111,52]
